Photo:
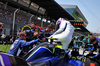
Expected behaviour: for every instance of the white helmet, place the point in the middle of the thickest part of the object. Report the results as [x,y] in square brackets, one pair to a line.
[59,21]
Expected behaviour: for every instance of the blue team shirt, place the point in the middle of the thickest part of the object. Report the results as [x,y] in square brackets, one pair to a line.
[19,43]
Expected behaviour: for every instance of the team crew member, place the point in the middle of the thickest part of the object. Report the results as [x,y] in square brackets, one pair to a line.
[29,29]
[45,33]
[94,41]
[17,46]
[34,37]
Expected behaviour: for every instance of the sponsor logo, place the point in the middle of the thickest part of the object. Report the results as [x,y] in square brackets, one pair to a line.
[12,46]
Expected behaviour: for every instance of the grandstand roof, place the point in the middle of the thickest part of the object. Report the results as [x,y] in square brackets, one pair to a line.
[17,5]
[76,8]
[53,9]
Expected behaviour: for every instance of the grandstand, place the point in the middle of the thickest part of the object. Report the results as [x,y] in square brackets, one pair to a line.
[22,18]
[43,13]
[44,10]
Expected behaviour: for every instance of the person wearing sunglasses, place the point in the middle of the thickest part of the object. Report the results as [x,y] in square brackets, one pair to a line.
[16,48]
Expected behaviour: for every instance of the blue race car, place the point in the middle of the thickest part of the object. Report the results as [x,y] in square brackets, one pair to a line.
[44,54]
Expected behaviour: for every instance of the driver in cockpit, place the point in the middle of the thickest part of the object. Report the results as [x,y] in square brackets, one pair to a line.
[64,33]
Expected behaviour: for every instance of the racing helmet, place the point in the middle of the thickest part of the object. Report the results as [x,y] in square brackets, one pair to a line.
[59,22]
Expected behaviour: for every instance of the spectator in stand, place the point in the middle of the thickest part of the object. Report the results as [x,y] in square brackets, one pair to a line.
[19,30]
[1,27]
[8,15]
